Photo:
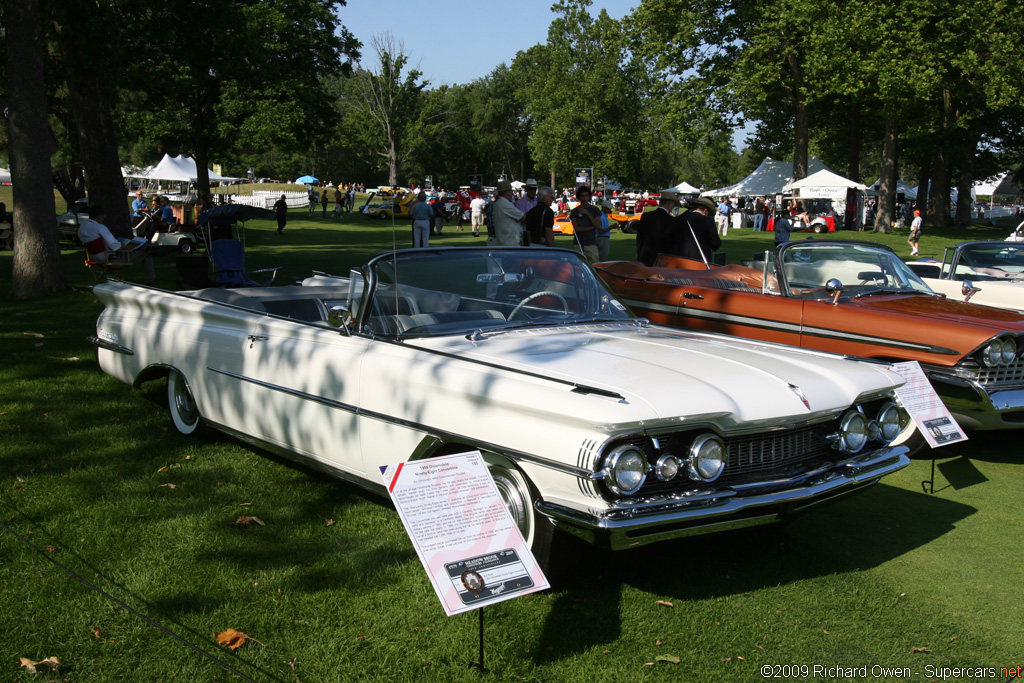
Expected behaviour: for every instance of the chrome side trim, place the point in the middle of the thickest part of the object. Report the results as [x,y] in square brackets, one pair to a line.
[414,426]
[790,328]
[109,346]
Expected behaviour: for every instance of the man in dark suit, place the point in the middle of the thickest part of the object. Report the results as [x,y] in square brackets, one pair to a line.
[694,235]
[654,232]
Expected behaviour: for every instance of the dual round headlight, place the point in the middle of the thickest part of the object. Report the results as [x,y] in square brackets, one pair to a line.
[856,430]
[999,352]
[707,458]
[887,425]
[625,470]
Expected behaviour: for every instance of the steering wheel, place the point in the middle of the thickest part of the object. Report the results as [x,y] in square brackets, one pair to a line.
[537,295]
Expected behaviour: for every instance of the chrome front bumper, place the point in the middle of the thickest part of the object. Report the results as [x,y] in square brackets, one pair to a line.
[648,521]
[976,407]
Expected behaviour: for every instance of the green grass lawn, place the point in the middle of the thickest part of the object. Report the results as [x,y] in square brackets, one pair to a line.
[330,586]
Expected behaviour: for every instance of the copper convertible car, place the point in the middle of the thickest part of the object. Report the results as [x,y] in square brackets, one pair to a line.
[848,297]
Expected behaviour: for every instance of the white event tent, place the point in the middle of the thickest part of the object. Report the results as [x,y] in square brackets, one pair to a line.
[1002,184]
[179,169]
[770,178]
[686,188]
[901,188]
[5,175]
[824,184]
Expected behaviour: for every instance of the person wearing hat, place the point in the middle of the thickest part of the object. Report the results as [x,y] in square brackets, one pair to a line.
[694,235]
[915,232]
[527,201]
[529,198]
[508,220]
[654,231]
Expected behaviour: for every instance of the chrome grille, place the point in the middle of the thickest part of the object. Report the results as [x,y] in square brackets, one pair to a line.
[760,457]
[1012,374]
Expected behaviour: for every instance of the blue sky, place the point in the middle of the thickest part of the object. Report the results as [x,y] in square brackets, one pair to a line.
[458,41]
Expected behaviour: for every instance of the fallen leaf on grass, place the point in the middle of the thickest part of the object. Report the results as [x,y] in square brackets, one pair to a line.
[33,334]
[245,520]
[170,486]
[48,664]
[232,638]
[663,603]
[671,659]
[916,650]
[162,468]
[330,522]
[96,631]
[52,548]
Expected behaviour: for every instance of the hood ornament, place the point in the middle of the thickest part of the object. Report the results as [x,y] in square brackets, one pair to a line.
[800,395]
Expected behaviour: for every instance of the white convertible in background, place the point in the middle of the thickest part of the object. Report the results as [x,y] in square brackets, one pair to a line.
[591,420]
[986,272]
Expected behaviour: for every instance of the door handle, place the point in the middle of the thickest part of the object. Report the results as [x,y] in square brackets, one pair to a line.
[691,295]
[253,338]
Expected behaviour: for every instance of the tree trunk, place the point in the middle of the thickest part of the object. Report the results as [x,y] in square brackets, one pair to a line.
[887,177]
[800,139]
[853,166]
[964,203]
[37,266]
[97,139]
[938,198]
[924,183]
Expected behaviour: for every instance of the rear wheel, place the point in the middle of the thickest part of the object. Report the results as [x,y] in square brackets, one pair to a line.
[186,246]
[818,227]
[184,412]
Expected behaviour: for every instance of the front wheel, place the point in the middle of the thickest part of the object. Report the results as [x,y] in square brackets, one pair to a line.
[519,498]
[184,411]
[186,246]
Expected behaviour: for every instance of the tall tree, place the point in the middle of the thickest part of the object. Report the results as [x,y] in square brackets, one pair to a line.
[587,116]
[37,266]
[250,70]
[88,71]
[390,99]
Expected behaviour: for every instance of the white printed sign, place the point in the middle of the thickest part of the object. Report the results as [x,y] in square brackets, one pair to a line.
[464,535]
[925,407]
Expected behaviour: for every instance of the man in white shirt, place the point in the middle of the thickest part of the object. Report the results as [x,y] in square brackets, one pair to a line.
[476,214]
[508,220]
[103,247]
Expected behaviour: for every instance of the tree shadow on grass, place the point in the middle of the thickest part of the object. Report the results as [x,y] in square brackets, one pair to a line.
[852,535]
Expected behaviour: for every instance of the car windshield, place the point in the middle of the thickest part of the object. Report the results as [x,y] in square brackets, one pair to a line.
[862,269]
[994,261]
[428,292]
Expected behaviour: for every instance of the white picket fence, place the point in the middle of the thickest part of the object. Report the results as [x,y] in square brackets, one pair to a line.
[266,199]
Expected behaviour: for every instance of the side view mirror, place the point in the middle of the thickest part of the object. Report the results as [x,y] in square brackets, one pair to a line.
[338,317]
[968,290]
[834,288]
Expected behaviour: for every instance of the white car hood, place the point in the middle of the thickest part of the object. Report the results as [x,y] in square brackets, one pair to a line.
[677,373]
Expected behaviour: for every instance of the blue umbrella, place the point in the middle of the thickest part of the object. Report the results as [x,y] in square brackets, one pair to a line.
[306,179]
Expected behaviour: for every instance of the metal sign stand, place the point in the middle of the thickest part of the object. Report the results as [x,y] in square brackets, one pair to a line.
[929,484]
[480,665]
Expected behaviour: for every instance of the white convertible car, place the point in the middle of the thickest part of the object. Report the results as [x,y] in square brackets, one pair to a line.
[592,421]
[986,272]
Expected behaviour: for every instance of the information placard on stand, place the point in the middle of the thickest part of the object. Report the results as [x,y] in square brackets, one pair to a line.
[918,397]
[465,537]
